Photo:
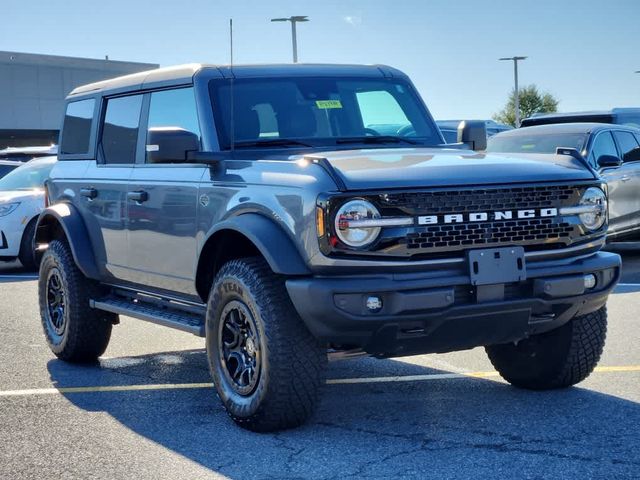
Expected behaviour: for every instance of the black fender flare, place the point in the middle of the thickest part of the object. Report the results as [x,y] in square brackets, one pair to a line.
[66,217]
[270,239]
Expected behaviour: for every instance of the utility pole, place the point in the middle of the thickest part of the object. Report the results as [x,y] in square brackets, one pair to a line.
[294,34]
[517,93]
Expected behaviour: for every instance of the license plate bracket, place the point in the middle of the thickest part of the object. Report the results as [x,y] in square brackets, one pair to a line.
[491,266]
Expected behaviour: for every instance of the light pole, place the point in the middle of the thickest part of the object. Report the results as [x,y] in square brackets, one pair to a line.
[517,94]
[294,36]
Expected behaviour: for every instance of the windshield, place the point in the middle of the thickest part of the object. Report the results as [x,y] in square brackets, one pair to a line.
[320,111]
[536,143]
[27,177]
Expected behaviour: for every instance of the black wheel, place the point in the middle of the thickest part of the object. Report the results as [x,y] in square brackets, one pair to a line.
[74,331]
[27,255]
[556,359]
[267,367]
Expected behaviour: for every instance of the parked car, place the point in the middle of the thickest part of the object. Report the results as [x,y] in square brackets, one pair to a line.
[619,116]
[449,129]
[612,150]
[24,154]
[7,166]
[300,230]
[21,201]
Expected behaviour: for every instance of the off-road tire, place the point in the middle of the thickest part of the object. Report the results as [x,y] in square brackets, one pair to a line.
[293,362]
[27,254]
[86,331]
[556,359]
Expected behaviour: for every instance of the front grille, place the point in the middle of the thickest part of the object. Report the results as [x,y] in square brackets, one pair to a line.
[455,201]
[542,230]
[532,233]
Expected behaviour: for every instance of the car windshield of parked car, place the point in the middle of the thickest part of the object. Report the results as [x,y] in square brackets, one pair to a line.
[305,111]
[535,143]
[27,177]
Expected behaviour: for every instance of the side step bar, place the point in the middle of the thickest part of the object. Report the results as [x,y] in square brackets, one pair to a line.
[177,318]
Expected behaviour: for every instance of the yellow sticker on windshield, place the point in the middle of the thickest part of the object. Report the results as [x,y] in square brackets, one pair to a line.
[325,104]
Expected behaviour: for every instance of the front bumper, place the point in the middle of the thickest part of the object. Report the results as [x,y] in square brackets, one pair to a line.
[440,311]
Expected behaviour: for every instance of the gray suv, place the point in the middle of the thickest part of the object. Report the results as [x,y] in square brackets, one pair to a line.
[295,212]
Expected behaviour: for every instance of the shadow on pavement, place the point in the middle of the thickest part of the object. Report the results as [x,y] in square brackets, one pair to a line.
[452,428]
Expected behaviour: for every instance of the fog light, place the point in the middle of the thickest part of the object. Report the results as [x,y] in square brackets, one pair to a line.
[374,303]
[590,281]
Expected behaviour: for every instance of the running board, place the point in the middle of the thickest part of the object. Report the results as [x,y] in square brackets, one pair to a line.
[167,317]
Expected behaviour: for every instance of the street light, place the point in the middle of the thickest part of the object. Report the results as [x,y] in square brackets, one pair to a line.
[515,75]
[294,37]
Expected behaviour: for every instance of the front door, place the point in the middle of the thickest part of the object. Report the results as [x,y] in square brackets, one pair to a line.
[163,204]
[617,183]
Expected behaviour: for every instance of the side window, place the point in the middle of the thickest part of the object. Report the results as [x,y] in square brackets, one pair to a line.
[603,145]
[626,141]
[76,128]
[174,109]
[120,131]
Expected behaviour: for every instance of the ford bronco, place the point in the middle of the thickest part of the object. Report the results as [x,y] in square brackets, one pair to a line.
[287,213]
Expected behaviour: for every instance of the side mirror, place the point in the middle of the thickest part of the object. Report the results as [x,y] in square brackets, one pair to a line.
[170,144]
[473,133]
[632,155]
[609,161]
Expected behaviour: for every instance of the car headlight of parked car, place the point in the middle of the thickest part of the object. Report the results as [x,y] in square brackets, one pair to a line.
[594,202]
[7,208]
[592,209]
[355,223]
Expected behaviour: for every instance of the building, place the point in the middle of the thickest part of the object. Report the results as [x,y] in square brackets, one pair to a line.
[33,88]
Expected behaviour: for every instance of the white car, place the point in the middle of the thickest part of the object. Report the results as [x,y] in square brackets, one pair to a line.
[21,201]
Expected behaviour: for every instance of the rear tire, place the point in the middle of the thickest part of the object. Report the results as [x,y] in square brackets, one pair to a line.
[74,331]
[267,367]
[556,359]
[27,255]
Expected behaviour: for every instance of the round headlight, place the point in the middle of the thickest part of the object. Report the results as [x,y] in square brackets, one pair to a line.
[346,223]
[594,219]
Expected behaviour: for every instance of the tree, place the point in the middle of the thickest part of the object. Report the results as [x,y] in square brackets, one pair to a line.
[531,101]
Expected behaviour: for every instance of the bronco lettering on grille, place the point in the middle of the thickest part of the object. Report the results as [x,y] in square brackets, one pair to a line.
[487,216]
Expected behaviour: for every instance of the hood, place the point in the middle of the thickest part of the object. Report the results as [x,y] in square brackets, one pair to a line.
[18,195]
[427,167]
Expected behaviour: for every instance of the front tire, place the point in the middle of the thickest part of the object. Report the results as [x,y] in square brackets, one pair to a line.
[556,359]
[74,331]
[267,367]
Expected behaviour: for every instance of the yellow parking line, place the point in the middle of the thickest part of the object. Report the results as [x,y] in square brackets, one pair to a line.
[332,381]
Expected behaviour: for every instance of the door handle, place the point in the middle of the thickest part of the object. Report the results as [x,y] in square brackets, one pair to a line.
[138,196]
[625,178]
[89,192]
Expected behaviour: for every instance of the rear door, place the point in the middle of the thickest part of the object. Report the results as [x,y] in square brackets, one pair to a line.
[104,186]
[163,223]
[630,171]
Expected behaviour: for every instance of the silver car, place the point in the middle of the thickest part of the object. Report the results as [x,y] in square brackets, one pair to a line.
[612,150]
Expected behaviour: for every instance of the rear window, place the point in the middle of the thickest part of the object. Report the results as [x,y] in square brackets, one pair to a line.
[76,129]
[543,143]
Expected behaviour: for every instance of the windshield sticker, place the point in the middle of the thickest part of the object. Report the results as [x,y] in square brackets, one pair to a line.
[325,104]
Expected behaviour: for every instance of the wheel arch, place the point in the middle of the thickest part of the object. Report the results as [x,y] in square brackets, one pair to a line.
[64,221]
[248,234]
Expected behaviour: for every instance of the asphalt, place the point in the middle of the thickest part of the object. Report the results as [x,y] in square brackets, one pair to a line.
[164,421]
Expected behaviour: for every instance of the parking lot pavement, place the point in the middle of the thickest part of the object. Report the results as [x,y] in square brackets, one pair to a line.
[147,410]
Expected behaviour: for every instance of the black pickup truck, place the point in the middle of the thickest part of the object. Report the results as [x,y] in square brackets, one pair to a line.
[291,212]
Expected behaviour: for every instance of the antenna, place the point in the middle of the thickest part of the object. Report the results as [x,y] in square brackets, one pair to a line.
[232,127]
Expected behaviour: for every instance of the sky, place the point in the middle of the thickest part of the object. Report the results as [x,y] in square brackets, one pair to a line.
[583,52]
